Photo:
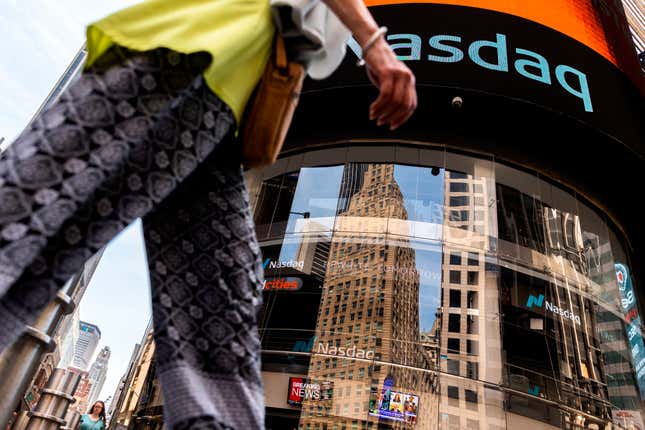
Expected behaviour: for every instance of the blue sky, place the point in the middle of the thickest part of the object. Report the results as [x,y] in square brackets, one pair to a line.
[118,301]
[40,38]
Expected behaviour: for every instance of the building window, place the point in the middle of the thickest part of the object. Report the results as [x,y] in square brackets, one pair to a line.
[473,278]
[453,345]
[471,325]
[458,215]
[453,367]
[473,259]
[471,347]
[472,370]
[471,299]
[454,323]
[458,175]
[453,392]
[455,299]
[472,424]
[470,396]
[458,187]
[455,258]
[479,201]
[455,277]
[459,201]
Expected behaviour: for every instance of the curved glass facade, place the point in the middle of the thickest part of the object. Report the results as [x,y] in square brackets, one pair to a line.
[421,288]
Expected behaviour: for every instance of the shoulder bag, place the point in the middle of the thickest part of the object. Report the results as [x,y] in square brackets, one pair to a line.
[269,112]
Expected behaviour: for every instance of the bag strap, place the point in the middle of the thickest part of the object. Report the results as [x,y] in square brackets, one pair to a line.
[281,60]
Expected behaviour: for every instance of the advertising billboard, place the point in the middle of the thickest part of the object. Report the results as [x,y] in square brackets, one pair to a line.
[633,324]
[395,405]
[558,59]
[575,18]
[301,389]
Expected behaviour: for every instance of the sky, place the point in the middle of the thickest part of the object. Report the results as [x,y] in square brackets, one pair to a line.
[117,300]
[40,38]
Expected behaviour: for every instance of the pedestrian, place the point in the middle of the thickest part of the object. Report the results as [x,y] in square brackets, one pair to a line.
[94,419]
[148,131]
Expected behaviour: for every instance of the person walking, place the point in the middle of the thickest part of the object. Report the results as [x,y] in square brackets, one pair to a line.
[148,131]
[94,419]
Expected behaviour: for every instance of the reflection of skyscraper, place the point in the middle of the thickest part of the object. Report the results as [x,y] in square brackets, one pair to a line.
[98,372]
[369,306]
[313,250]
[352,182]
[621,386]
[88,339]
[466,301]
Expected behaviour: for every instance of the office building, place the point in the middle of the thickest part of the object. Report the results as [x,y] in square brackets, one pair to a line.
[98,372]
[88,339]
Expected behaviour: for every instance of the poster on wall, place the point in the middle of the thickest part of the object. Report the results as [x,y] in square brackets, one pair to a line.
[396,406]
[301,389]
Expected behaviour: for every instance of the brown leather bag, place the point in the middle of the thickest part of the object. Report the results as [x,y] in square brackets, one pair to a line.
[269,112]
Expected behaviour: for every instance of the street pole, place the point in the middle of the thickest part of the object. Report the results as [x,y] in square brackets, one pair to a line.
[19,362]
[51,411]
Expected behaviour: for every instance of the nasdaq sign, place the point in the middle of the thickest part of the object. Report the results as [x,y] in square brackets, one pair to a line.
[538,301]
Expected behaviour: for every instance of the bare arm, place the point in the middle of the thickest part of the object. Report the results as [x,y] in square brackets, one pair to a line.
[397,98]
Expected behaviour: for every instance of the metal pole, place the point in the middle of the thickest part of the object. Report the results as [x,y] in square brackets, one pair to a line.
[19,362]
[51,411]
[72,418]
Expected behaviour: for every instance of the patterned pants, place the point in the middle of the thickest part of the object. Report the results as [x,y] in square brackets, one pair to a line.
[141,135]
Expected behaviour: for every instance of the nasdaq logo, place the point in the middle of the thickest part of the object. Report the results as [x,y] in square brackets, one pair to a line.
[302,346]
[448,48]
[534,391]
[537,301]
[282,264]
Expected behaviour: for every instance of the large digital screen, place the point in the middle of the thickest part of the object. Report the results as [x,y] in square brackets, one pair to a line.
[633,321]
[557,59]
[578,19]
[301,389]
[395,406]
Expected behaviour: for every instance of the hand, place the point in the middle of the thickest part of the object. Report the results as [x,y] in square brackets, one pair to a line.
[397,98]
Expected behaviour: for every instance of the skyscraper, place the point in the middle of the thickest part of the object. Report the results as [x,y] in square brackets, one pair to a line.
[369,315]
[68,337]
[88,339]
[98,372]
[467,231]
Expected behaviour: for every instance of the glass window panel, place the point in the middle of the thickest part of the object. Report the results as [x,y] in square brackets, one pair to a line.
[454,323]
[455,298]
[455,258]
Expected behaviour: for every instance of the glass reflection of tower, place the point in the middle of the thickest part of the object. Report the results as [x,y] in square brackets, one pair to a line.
[370,302]
[621,386]
[469,332]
